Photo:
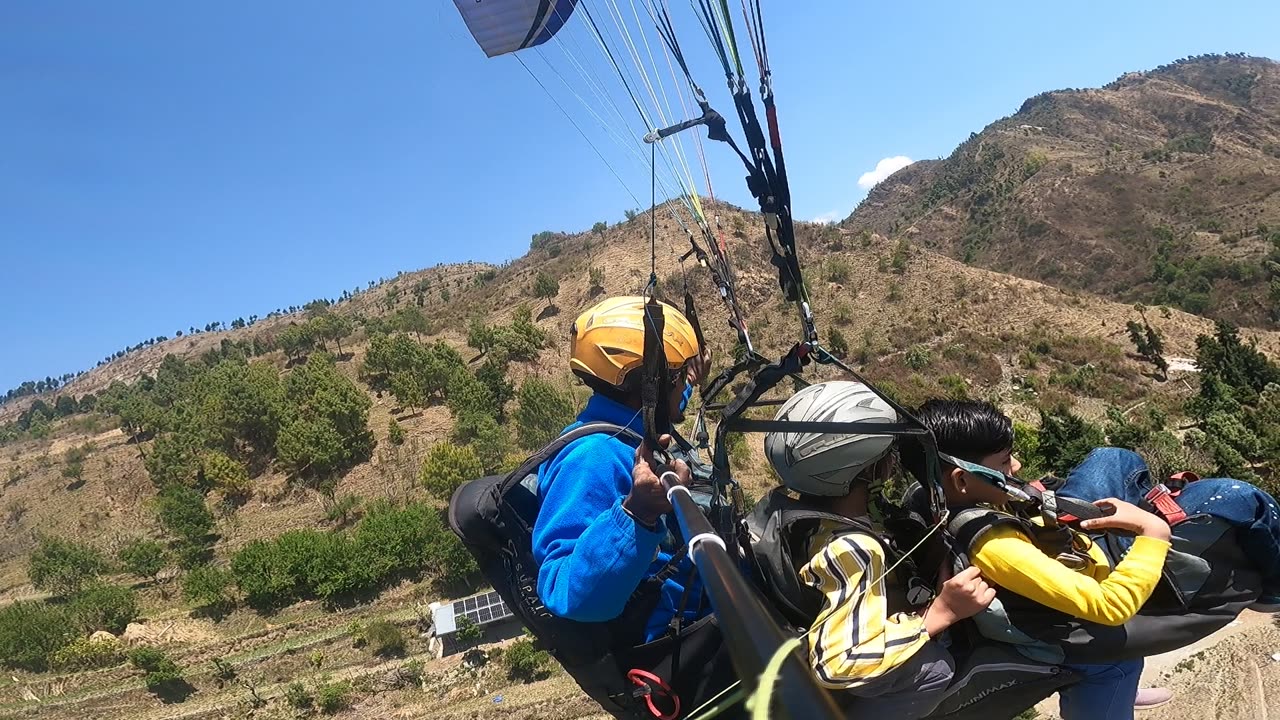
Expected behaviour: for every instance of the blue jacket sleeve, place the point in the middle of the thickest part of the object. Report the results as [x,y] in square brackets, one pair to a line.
[591,555]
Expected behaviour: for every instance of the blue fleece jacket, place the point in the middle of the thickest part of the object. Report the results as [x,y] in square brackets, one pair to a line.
[591,554]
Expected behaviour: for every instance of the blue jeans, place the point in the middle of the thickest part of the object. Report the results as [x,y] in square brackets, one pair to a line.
[1106,692]
[1123,474]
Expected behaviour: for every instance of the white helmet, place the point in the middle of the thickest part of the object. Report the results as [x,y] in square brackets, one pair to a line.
[826,463]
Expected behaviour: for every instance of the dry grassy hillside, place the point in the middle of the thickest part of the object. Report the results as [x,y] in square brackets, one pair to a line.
[146,360]
[886,299]
[1163,184]
[975,324]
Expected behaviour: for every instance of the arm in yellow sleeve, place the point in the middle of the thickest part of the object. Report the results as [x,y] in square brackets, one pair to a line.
[854,639]
[1010,559]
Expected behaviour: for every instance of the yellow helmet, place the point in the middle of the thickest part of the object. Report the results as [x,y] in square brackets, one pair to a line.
[608,339]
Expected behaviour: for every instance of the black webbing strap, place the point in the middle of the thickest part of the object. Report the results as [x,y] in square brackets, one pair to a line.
[655,381]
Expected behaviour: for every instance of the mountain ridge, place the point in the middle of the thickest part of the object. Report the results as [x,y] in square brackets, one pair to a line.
[1161,187]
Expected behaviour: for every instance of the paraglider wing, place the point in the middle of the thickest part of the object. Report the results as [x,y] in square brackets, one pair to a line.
[504,26]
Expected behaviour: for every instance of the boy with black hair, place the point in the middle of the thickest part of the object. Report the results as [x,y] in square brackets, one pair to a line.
[1086,587]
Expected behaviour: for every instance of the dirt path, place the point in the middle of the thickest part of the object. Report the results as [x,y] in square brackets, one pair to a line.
[1230,675]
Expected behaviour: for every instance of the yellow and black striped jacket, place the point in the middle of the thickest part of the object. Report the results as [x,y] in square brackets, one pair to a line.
[863,630]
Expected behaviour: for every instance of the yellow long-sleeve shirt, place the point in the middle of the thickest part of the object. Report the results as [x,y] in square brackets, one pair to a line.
[1096,592]
[854,638]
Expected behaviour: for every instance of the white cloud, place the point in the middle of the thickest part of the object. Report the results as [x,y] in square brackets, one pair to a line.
[884,169]
[830,217]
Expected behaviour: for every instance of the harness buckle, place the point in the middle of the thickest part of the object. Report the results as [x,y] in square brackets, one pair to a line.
[649,686]
[919,593]
[1049,508]
[1072,560]
[1165,504]
[1179,480]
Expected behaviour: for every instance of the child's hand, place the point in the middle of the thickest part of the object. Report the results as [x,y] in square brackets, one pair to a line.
[962,596]
[966,594]
[1129,517]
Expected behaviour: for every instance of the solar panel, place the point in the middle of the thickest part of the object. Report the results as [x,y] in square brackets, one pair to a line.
[482,609]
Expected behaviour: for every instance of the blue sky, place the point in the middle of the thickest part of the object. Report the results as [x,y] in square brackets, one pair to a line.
[168,164]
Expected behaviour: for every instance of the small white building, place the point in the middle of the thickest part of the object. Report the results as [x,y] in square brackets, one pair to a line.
[485,610]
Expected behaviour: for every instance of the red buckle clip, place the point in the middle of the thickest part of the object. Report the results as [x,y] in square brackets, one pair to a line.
[647,685]
[1179,480]
[1162,498]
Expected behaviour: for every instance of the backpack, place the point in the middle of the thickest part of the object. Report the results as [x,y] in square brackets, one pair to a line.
[1206,582]
[780,527]
[494,517]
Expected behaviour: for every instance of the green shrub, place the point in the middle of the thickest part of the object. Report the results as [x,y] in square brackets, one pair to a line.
[494,373]
[142,557]
[545,287]
[173,460]
[447,466]
[356,630]
[837,344]
[30,632]
[332,697]
[486,438]
[1065,439]
[298,696]
[1026,448]
[206,586]
[522,339]
[63,566]
[395,433]
[739,450]
[325,565]
[1034,161]
[955,386]
[412,671]
[223,671]
[227,475]
[162,674]
[841,313]
[901,255]
[389,542]
[383,639]
[918,357]
[103,607]
[331,429]
[469,631]
[263,575]
[838,269]
[467,394]
[393,540]
[524,661]
[85,654]
[184,515]
[542,414]
[455,567]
